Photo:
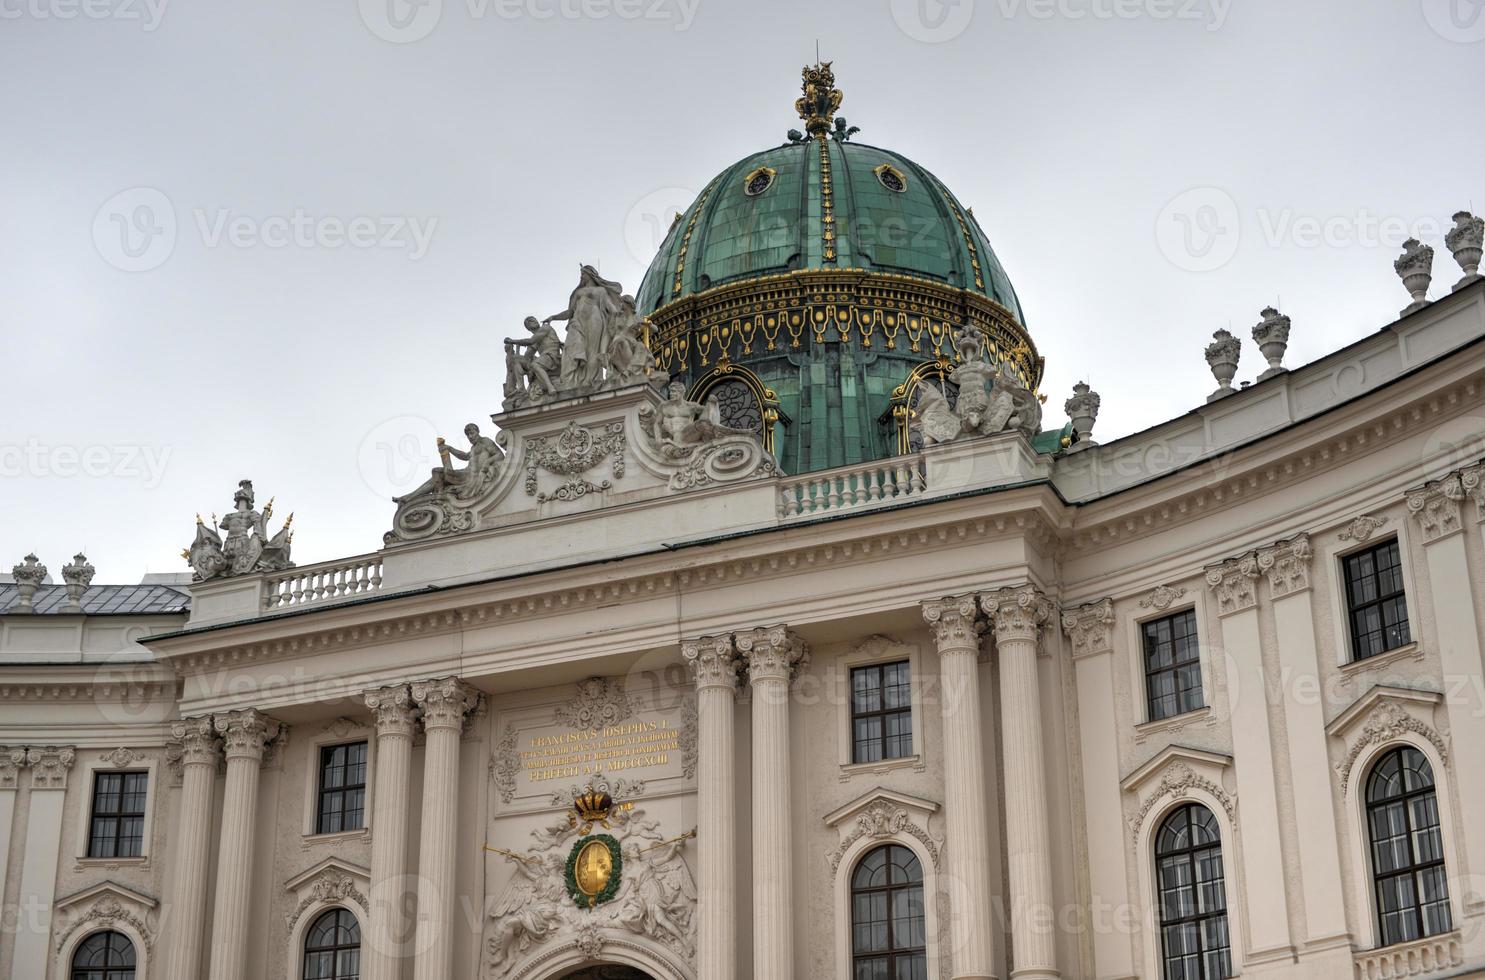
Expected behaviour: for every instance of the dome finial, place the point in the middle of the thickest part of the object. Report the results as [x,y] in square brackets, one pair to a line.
[821,99]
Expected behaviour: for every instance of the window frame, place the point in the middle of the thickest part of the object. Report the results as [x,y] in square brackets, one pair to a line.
[1414,868]
[879,650]
[341,731]
[88,764]
[1334,551]
[890,890]
[1349,606]
[883,712]
[321,791]
[312,920]
[1189,853]
[108,972]
[1147,674]
[119,815]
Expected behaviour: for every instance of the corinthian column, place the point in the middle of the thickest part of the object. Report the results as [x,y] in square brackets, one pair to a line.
[445,703]
[190,850]
[954,626]
[395,713]
[244,736]
[773,655]
[1017,616]
[713,661]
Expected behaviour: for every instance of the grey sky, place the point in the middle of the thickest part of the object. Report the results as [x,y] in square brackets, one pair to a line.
[368,198]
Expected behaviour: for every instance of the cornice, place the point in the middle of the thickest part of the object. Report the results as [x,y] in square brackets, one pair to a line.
[658,576]
[1226,480]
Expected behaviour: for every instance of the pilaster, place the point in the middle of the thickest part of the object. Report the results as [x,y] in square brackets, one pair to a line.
[49,769]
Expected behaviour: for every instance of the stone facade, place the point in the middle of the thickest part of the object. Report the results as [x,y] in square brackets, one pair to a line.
[660,668]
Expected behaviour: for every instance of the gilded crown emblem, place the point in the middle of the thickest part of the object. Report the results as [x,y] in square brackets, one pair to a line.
[593,807]
[820,100]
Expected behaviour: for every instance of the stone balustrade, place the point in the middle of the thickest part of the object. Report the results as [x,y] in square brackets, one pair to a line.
[1414,959]
[851,487]
[327,581]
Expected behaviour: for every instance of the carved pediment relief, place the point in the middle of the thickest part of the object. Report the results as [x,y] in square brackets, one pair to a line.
[1382,715]
[882,814]
[330,882]
[569,456]
[1174,773]
[106,906]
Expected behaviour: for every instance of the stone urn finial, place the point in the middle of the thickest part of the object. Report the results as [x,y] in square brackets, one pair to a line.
[1465,240]
[1082,409]
[1415,267]
[1222,358]
[1272,337]
[78,576]
[29,575]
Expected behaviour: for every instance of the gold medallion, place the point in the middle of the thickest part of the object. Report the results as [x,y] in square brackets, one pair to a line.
[593,868]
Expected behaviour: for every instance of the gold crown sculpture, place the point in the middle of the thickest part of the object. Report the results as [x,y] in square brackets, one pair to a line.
[593,807]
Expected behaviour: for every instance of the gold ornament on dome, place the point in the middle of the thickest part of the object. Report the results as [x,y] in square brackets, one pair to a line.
[820,100]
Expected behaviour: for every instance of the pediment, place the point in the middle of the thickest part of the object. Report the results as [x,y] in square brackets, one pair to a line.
[106,905]
[1410,701]
[914,805]
[330,882]
[1169,759]
[1385,714]
[329,866]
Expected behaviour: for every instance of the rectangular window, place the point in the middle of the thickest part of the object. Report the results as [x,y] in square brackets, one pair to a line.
[342,794]
[117,829]
[1172,666]
[1376,603]
[881,712]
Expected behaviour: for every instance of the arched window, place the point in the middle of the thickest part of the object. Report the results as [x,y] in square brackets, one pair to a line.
[332,947]
[1193,896]
[1402,814]
[888,936]
[104,956]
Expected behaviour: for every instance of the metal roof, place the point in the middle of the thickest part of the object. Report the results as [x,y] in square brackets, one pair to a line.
[103,600]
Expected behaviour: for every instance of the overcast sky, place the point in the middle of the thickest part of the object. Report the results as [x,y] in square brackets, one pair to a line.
[282,240]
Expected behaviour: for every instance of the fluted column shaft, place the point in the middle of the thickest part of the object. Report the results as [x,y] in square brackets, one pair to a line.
[190,850]
[1017,616]
[244,736]
[381,948]
[444,704]
[773,657]
[956,631]
[714,664]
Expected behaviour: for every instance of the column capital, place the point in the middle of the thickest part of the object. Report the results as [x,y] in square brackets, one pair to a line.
[1091,627]
[772,652]
[246,733]
[1472,482]
[198,742]
[1017,613]
[1287,566]
[50,765]
[1436,506]
[1233,582]
[955,623]
[394,710]
[713,661]
[444,701]
[12,761]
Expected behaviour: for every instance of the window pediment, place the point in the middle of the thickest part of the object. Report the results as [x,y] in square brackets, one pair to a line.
[1382,715]
[1173,774]
[330,882]
[106,906]
[883,814]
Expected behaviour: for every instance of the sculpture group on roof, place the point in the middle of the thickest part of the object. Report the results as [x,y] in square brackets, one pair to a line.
[247,547]
[991,398]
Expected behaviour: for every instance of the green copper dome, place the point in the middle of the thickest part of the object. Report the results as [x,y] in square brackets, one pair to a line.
[812,288]
[888,215]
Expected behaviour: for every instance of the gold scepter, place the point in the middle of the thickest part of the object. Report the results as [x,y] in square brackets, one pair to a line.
[511,854]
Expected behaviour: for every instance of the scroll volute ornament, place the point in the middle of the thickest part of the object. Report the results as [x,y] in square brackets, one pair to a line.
[773,652]
[198,741]
[394,710]
[445,702]
[713,661]
[245,734]
[1017,614]
[955,622]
